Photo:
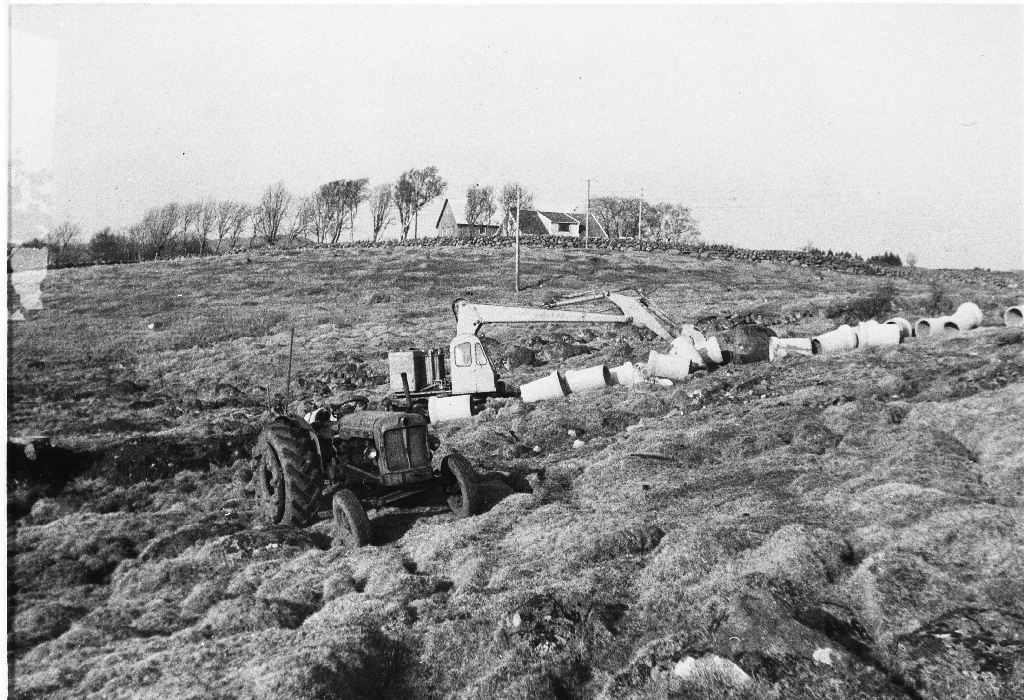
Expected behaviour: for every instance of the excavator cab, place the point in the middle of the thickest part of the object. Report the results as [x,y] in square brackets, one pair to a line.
[471,371]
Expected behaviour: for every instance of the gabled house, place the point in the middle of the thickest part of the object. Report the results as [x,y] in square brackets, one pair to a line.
[554,223]
[448,225]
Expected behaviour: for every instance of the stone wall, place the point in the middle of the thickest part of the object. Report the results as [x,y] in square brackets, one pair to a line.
[707,252]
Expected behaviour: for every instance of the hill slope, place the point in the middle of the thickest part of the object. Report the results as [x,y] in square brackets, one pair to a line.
[846,526]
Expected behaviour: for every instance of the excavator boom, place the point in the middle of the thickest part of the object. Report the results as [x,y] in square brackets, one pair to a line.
[469,316]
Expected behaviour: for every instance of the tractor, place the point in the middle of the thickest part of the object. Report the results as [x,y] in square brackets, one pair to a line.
[352,458]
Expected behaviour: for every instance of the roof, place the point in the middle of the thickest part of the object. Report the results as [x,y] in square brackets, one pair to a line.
[530,224]
[594,225]
[560,218]
[446,205]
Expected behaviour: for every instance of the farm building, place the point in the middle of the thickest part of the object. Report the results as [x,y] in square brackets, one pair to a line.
[26,269]
[448,225]
[22,259]
[552,223]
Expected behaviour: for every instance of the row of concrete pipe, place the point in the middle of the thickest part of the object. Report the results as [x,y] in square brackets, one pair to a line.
[692,351]
[892,332]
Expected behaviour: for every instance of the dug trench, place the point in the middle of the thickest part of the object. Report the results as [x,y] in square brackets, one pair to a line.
[841,527]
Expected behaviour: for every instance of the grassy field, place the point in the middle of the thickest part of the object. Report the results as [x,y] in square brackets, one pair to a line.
[868,504]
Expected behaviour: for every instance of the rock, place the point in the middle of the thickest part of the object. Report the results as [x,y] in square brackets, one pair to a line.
[746,343]
[823,655]
[578,444]
[155,325]
[711,665]
[46,510]
[519,356]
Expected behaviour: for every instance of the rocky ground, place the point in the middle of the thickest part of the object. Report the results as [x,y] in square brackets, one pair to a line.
[820,527]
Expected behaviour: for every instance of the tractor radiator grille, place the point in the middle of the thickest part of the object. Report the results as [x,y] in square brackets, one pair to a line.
[406,448]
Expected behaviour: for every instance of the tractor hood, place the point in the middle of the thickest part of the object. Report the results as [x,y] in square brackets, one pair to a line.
[371,423]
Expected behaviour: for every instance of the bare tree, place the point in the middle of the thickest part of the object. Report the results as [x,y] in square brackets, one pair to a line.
[159,228]
[480,205]
[381,199]
[405,201]
[189,214]
[514,194]
[429,185]
[206,222]
[413,190]
[302,224]
[271,212]
[675,223]
[59,238]
[224,218]
[229,222]
[320,216]
[355,193]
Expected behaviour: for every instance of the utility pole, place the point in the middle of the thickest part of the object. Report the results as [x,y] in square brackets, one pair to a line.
[586,240]
[640,214]
[519,197]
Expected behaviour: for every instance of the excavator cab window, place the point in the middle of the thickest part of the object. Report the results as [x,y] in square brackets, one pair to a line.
[481,358]
[463,355]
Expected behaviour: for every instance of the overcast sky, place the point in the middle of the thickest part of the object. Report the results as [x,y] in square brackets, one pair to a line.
[863,127]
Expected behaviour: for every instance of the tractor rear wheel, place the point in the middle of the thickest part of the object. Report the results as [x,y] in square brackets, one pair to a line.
[460,485]
[351,525]
[289,477]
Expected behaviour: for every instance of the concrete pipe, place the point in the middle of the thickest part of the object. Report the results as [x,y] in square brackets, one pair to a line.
[1014,316]
[874,335]
[552,386]
[906,328]
[624,375]
[672,367]
[966,317]
[841,339]
[683,347]
[588,379]
[780,347]
[711,350]
[443,409]
[933,326]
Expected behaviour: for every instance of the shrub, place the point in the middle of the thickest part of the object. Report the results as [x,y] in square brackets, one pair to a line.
[938,298]
[887,258]
[107,246]
[881,300]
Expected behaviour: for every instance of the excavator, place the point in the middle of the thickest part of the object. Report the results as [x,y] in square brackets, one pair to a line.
[465,369]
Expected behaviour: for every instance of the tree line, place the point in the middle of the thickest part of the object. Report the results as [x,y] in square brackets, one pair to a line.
[327,214]
[211,226]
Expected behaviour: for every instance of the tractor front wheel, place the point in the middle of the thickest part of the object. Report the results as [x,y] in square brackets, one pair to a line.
[460,485]
[351,525]
[289,477]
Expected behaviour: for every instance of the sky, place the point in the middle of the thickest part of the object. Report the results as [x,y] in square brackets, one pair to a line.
[865,128]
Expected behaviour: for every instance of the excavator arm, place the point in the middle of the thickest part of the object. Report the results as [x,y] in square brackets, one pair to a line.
[637,310]
[469,316]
